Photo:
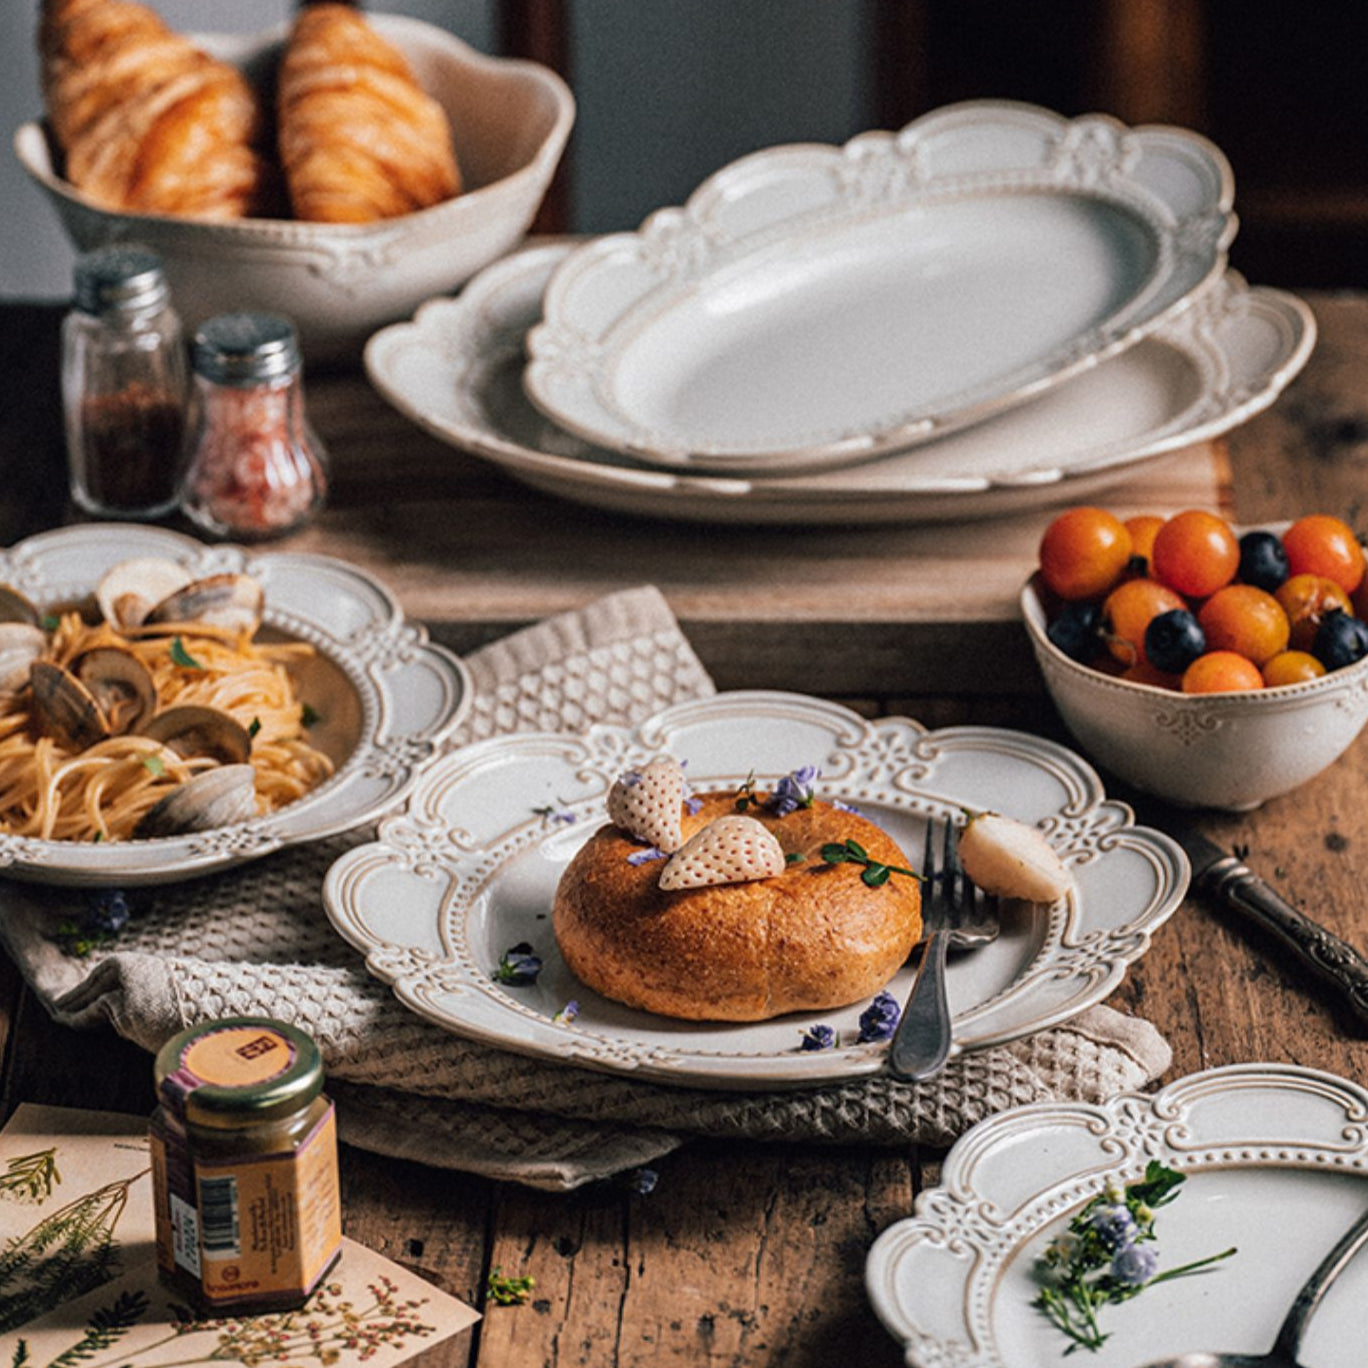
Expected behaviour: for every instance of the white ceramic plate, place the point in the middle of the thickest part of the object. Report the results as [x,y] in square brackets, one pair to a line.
[1276,1157]
[385,697]
[814,306]
[456,371]
[470,869]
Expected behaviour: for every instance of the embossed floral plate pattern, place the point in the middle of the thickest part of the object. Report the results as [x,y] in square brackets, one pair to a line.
[456,371]
[1276,1158]
[470,870]
[383,696]
[814,306]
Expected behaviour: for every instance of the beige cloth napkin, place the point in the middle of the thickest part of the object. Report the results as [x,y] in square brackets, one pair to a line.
[257,941]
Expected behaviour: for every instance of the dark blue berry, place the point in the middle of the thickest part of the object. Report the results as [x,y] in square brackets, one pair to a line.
[1263,562]
[1173,640]
[1077,631]
[1340,640]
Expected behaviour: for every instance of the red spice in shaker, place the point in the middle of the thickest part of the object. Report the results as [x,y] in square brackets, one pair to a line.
[255,469]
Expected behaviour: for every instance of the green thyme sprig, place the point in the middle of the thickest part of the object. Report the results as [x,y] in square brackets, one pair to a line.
[1107,1256]
[506,1291]
[874,873]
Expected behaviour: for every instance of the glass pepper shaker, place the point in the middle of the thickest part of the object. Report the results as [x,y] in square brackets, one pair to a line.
[254,468]
[123,385]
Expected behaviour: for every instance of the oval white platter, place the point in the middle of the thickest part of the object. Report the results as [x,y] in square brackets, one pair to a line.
[1276,1158]
[814,306]
[470,869]
[456,371]
[385,697]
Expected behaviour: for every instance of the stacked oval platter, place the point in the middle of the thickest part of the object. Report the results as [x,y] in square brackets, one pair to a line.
[995,308]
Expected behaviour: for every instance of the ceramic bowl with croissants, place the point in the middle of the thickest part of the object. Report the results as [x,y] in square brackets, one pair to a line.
[342,169]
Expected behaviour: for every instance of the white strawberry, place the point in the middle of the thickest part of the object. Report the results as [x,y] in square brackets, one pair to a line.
[731,849]
[647,802]
[1013,860]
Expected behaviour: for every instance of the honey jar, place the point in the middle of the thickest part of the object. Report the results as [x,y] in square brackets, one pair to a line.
[244,1163]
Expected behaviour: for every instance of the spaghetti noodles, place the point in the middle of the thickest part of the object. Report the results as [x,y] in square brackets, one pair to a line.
[54,791]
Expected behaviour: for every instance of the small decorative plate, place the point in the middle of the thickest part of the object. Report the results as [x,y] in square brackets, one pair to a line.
[384,696]
[456,370]
[1276,1158]
[470,869]
[815,306]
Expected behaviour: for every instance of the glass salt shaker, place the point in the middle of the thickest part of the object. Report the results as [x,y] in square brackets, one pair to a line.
[123,385]
[254,468]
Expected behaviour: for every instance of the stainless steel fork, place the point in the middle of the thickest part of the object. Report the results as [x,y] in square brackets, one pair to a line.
[954,913]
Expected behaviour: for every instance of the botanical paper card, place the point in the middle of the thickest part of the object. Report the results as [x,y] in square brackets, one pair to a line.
[79,1283]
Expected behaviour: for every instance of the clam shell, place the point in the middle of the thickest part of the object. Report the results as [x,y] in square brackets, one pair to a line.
[213,798]
[128,591]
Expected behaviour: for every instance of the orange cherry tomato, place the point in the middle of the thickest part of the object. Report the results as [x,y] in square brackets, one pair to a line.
[1129,609]
[1291,667]
[1307,599]
[1196,553]
[1322,545]
[1221,672]
[1084,552]
[1245,620]
[1143,528]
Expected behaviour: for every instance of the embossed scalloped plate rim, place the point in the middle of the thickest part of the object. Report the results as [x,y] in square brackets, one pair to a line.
[816,306]
[397,695]
[1276,1156]
[456,369]
[468,870]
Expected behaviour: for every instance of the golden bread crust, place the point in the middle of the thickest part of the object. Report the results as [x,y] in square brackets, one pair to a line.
[814,937]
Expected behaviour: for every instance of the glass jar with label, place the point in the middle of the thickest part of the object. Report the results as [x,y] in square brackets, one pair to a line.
[123,386]
[255,469]
[244,1164]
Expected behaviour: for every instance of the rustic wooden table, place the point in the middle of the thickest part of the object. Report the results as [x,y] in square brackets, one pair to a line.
[751,1254]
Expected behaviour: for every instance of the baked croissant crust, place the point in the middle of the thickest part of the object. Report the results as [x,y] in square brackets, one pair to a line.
[359,138]
[146,121]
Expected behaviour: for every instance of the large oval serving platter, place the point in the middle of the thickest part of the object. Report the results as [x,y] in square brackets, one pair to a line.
[1276,1158]
[456,371]
[815,306]
[470,869]
[384,697]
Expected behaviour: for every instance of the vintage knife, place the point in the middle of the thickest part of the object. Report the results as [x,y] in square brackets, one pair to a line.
[1223,876]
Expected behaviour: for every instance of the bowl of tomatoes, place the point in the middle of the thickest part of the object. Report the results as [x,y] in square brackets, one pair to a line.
[1210,665]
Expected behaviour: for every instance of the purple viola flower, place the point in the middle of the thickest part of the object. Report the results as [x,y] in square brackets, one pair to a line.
[1135,1265]
[108,914]
[818,1037]
[879,1020]
[518,966]
[645,855]
[568,1013]
[793,791]
[1115,1226]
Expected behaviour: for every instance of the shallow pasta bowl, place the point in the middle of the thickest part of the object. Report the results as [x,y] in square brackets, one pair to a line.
[384,698]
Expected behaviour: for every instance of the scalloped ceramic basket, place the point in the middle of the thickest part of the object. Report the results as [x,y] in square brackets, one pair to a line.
[339,282]
[1231,750]
[385,698]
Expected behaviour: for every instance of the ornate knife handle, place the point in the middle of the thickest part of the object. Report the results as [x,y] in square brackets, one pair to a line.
[1337,962]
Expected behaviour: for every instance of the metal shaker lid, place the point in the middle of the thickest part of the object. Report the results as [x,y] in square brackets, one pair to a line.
[246,348]
[125,276]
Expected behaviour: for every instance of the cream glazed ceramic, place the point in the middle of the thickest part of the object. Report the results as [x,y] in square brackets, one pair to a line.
[1276,1159]
[339,282]
[384,696]
[815,306]
[1222,750]
[470,869]
[456,371]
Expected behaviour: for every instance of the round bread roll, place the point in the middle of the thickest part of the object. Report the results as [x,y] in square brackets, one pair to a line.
[811,938]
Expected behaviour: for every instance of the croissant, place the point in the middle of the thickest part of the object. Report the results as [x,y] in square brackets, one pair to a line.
[359,139]
[147,122]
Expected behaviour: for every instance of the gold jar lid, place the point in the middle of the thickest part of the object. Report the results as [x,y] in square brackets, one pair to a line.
[238,1072]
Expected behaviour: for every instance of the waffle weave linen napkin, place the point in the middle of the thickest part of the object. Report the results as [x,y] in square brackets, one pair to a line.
[256,941]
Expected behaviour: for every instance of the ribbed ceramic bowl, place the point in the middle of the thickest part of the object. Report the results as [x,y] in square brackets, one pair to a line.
[339,282]
[1222,750]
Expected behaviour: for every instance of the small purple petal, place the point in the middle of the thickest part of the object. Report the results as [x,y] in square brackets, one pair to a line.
[1135,1265]
[879,1020]
[844,807]
[819,1037]
[1115,1226]
[629,778]
[692,804]
[642,1181]
[568,1013]
[518,966]
[641,857]
[793,791]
